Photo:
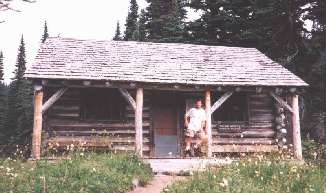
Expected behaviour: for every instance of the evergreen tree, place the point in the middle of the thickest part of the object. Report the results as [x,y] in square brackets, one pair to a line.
[274,27]
[19,121]
[315,68]
[142,29]
[165,20]
[45,32]
[135,35]
[131,21]
[1,66]
[222,22]
[3,101]
[117,35]
[280,29]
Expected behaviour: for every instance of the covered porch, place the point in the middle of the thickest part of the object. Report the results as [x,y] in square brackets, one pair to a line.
[148,119]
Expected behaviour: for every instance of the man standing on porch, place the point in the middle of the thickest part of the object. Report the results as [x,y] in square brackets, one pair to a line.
[195,120]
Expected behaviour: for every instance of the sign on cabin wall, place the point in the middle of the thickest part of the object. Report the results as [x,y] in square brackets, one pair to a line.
[230,126]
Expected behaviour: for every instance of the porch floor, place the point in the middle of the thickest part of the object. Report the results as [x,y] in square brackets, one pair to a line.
[185,165]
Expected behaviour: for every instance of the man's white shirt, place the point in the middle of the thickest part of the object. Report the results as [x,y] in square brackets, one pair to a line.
[197,116]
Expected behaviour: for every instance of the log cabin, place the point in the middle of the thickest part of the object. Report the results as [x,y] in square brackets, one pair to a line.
[132,96]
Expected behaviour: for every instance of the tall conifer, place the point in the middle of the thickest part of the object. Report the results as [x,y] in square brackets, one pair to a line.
[165,20]
[131,21]
[142,28]
[19,122]
[3,101]
[45,32]
[117,35]
[1,66]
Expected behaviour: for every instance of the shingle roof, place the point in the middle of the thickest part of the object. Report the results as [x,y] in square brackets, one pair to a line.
[66,58]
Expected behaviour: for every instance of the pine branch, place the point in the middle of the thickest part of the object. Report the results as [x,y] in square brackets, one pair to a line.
[5,5]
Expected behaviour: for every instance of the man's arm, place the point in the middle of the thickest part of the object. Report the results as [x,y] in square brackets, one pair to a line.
[187,116]
[186,120]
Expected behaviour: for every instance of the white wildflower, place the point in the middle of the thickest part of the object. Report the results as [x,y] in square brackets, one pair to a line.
[224,183]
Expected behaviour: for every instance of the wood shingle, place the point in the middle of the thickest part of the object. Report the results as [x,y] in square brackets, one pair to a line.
[169,63]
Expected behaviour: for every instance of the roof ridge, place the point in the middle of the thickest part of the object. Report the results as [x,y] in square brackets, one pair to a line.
[148,42]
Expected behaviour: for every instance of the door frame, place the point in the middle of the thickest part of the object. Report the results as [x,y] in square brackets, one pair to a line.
[179,130]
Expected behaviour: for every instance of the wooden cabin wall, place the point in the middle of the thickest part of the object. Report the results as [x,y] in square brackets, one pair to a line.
[256,134]
[63,126]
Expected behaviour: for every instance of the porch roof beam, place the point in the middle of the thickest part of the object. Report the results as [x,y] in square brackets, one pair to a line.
[128,97]
[220,101]
[166,86]
[281,102]
[53,99]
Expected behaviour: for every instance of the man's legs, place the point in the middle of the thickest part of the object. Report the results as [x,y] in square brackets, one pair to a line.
[201,136]
[188,141]
[201,139]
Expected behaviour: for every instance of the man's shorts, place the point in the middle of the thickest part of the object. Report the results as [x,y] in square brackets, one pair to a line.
[192,133]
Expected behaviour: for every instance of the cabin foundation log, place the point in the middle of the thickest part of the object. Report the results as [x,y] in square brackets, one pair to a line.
[296,128]
[208,122]
[139,121]
[37,125]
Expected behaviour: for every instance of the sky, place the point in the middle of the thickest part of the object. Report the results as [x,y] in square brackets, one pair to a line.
[82,19]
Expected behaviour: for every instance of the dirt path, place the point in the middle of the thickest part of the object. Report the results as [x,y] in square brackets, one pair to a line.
[157,184]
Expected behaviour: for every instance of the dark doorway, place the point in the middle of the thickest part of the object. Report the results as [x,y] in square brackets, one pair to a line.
[165,124]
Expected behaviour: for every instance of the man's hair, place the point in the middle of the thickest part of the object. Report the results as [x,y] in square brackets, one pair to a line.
[198,99]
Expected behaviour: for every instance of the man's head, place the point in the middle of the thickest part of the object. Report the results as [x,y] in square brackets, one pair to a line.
[198,104]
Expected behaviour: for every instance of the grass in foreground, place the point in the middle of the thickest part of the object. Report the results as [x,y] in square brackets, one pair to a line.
[103,173]
[256,177]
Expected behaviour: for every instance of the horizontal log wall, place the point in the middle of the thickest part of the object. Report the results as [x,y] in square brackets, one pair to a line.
[255,135]
[64,127]
[67,107]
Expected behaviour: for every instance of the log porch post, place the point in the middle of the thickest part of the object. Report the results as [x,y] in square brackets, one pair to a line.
[37,125]
[208,122]
[139,121]
[296,128]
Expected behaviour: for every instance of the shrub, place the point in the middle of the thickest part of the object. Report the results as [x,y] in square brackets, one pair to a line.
[314,151]
[90,173]
[256,177]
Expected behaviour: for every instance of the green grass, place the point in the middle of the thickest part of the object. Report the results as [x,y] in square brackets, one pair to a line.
[91,173]
[256,177]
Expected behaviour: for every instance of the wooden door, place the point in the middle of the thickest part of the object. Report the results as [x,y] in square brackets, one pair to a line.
[165,119]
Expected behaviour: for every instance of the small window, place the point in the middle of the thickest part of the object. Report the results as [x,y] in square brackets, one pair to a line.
[102,104]
[234,108]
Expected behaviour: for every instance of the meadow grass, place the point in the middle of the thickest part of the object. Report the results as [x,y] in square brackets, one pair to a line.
[87,173]
[256,176]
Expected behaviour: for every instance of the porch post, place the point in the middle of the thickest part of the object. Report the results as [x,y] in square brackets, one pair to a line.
[37,125]
[208,122]
[296,128]
[139,121]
